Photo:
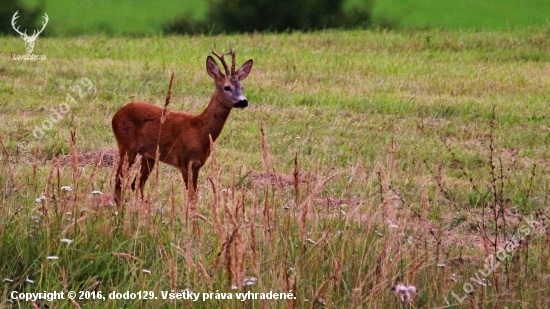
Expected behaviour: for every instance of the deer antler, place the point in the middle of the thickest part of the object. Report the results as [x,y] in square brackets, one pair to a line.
[221,59]
[15,16]
[232,53]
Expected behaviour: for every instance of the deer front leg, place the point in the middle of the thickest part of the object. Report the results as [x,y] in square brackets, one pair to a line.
[118,184]
[196,170]
[191,171]
[118,180]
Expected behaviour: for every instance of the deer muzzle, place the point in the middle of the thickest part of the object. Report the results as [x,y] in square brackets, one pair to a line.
[242,103]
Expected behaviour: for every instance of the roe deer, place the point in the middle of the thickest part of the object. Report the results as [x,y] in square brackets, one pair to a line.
[183,140]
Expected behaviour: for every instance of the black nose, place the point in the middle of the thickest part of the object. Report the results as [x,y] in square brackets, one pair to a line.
[242,104]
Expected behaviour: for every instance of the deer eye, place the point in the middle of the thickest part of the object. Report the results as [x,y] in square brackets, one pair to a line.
[227,88]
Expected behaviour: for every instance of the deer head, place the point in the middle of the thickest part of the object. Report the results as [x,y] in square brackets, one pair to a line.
[228,84]
[29,40]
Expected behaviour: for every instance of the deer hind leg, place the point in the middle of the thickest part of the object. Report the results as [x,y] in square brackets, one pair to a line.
[195,177]
[185,175]
[119,174]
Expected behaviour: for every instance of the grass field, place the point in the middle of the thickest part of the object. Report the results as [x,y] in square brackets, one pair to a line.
[147,17]
[387,157]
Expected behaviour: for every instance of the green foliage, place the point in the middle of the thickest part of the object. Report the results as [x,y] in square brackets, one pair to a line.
[263,15]
[185,25]
[267,15]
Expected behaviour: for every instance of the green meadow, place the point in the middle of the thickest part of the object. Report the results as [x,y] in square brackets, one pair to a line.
[365,159]
[462,14]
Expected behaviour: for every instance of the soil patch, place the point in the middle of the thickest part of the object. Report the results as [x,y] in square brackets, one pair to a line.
[104,157]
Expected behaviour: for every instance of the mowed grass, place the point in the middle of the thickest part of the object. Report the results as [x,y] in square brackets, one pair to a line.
[389,134]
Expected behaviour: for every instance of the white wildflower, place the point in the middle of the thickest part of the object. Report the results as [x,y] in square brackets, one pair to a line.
[404,292]
[96,192]
[40,199]
[67,189]
[250,280]
[246,282]
[391,225]
[66,240]
[453,277]
[227,190]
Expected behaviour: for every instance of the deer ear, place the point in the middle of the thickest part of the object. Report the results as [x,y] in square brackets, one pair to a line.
[212,68]
[244,70]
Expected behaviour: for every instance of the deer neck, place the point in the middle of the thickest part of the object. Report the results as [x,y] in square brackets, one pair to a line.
[214,116]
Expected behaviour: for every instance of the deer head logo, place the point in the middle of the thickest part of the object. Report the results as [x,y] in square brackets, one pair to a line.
[29,40]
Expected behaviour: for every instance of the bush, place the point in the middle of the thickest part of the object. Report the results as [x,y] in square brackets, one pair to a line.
[267,15]
[185,25]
